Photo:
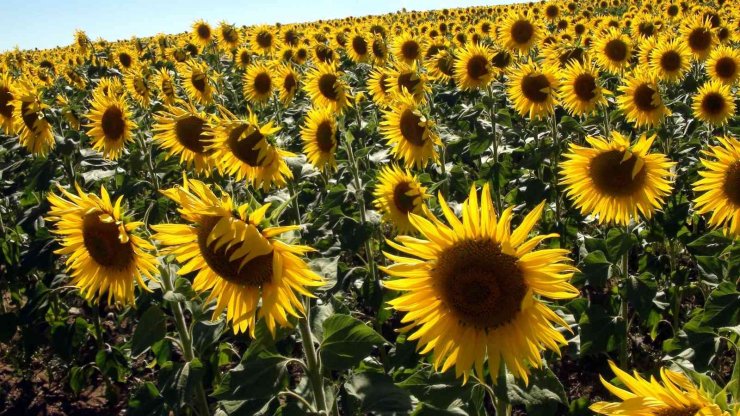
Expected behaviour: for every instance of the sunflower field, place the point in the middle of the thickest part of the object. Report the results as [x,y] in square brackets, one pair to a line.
[506,210]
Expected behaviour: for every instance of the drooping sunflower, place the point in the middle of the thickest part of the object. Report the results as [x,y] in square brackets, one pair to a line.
[724,65]
[714,103]
[408,48]
[287,83]
[326,88]
[378,87]
[320,138]
[720,186]
[670,59]
[519,33]
[184,131]
[196,81]
[241,149]
[33,130]
[473,289]
[672,394]
[641,100]
[202,33]
[472,68]
[258,84]
[409,132]
[699,36]
[533,90]
[581,92]
[248,271]
[104,256]
[111,124]
[615,180]
[6,104]
[613,51]
[397,194]
[165,86]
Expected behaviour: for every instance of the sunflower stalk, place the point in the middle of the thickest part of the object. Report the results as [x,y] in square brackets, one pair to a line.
[494,145]
[313,364]
[556,160]
[624,310]
[186,341]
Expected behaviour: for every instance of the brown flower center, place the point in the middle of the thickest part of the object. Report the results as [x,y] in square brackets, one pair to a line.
[522,32]
[501,59]
[189,131]
[585,87]
[731,187]
[262,83]
[616,50]
[6,108]
[700,39]
[726,67]
[125,60]
[327,86]
[670,61]
[713,104]
[410,128]
[198,81]
[255,272]
[102,243]
[290,83]
[204,32]
[643,97]
[246,149]
[403,202]
[245,58]
[113,123]
[379,49]
[325,136]
[446,65]
[614,176]
[575,54]
[408,80]
[410,50]
[264,39]
[359,45]
[672,411]
[477,67]
[535,87]
[482,286]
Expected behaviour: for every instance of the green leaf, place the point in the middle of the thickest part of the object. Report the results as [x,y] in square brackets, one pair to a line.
[378,394]
[618,243]
[640,292]
[600,332]
[543,395]
[438,389]
[347,341]
[152,327]
[595,269]
[722,307]
[257,376]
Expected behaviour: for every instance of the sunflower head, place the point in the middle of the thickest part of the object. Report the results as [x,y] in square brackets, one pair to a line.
[670,59]
[409,132]
[724,65]
[326,88]
[641,100]
[718,190]
[202,33]
[473,68]
[699,37]
[111,124]
[714,103]
[519,33]
[287,80]
[34,131]
[184,131]
[408,48]
[196,81]
[320,138]
[397,194]
[258,84]
[580,89]
[533,90]
[613,51]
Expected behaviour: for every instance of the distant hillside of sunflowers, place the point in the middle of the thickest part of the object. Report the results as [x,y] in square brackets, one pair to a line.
[505,210]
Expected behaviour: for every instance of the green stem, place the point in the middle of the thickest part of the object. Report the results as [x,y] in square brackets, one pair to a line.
[678,288]
[186,342]
[624,313]
[494,145]
[500,398]
[556,164]
[313,364]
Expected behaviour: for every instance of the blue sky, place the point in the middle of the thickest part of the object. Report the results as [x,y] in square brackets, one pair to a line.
[47,23]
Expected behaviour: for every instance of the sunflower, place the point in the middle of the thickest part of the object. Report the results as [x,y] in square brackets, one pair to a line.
[720,186]
[672,394]
[228,36]
[104,256]
[378,87]
[184,131]
[613,51]
[6,104]
[138,86]
[110,124]
[581,92]
[670,60]
[407,48]
[700,38]
[241,149]
[258,84]
[441,66]
[165,86]
[379,49]
[287,80]
[326,88]
[202,34]
[125,58]
[263,41]
[472,68]
[406,79]
[532,90]
[358,49]
[196,81]
[320,138]
[473,289]
[409,132]
[560,54]
[518,33]
[33,130]
[397,194]
[724,64]
[501,60]
[641,100]
[243,57]
[248,271]
[714,103]
[614,180]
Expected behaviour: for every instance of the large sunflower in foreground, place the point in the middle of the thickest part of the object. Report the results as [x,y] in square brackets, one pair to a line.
[615,180]
[474,289]
[671,395]
[472,68]
[714,103]
[103,256]
[110,125]
[33,130]
[241,149]
[409,132]
[247,270]
[641,101]
[720,186]
[533,90]
[581,92]
[320,138]
[184,131]
[397,194]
